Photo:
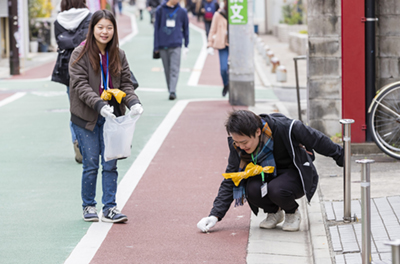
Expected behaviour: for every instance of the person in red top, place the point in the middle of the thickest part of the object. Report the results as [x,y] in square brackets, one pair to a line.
[208,8]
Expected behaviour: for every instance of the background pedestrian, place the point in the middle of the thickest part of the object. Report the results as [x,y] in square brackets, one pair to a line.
[96,65]
[141,5]
[170,27]
[70,29]
[218,39]
[208,8]
[119,3]
[151,6]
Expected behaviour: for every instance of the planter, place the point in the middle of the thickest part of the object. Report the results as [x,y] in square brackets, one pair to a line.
[298,43]
[34,46]
[281,31]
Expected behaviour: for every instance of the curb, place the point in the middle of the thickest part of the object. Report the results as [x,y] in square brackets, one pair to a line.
[318,235]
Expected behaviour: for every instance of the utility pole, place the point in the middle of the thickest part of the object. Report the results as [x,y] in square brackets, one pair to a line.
[241,52]
[13,29]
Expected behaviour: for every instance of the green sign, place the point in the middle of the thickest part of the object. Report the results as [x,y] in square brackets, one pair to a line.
[237,12]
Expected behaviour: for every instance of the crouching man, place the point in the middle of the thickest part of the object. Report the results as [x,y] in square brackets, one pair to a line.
[270,165]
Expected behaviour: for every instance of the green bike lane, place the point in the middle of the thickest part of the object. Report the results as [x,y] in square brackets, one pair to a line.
[39,179]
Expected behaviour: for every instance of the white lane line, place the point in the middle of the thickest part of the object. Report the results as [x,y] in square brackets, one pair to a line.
[97,232]
[201,59]
[12,98]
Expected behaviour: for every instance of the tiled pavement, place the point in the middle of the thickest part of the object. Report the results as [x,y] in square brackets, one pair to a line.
[346,237]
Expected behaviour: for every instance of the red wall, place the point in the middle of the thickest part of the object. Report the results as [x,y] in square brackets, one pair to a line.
[353,67]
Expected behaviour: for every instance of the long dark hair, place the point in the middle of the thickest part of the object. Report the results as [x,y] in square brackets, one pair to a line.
[93,50]
[68,4]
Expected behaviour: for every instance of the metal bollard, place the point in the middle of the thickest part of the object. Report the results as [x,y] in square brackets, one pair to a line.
[347,168]
[303,57]
[281,74]
[275,63]
[365,210]
[395,250]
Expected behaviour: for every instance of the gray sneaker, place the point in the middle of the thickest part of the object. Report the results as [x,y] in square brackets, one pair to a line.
[90,214]
[113,215]
[292,221]
[272,220]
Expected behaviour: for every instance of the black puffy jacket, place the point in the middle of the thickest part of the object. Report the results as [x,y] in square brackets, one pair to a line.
[67,41]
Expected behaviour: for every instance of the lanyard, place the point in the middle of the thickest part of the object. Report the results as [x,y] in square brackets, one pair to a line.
[255,161]
[173,13]
[104,79]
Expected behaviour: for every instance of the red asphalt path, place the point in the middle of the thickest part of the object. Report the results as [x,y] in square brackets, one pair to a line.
[176,191]
[210,74]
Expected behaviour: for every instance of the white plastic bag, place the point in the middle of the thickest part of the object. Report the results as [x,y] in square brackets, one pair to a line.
[118,134]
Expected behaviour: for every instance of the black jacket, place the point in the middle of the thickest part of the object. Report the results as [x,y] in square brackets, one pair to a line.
[153,3]
[298,139]
[67,41]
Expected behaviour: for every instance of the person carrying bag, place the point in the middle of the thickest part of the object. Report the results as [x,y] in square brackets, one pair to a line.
[101,89]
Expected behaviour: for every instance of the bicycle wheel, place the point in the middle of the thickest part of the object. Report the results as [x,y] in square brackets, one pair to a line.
[384,120]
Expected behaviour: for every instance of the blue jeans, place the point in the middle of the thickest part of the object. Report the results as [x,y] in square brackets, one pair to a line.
[70,123]
[207,25]
[120,6]
[91,145]
[223,64]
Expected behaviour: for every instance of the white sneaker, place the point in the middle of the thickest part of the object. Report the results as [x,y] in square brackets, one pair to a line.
[292,221]
[272,220]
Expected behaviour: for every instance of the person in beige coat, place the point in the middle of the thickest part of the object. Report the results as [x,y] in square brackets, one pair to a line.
[218,39]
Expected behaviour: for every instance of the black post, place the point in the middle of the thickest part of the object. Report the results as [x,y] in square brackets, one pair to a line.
[13,28]
[369,58]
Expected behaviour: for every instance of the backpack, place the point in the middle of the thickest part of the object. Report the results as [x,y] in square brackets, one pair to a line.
[67,41]
[209,10]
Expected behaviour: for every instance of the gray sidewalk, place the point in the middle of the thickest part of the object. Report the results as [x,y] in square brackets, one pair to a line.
[324,237]
[32,61]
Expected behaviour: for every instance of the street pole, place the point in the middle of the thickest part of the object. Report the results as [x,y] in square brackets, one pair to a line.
[241,52]
[365,210]
[347,168]
[13,29]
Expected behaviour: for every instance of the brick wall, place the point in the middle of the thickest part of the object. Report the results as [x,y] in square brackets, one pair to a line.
[387,42]
[324,65]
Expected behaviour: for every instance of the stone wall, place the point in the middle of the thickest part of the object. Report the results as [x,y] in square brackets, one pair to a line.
[387,42]
[324,65]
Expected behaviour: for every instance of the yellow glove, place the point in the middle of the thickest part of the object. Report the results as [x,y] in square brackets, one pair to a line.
[250,170]
[117,93]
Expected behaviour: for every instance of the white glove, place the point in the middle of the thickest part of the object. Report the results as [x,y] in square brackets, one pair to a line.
[210,51]
[107,111]
[206,223]
[185,52]
[136,109]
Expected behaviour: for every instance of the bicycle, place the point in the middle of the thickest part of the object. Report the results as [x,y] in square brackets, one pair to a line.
[384,119]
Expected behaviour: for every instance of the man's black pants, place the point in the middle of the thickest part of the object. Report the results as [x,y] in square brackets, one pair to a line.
[282,192]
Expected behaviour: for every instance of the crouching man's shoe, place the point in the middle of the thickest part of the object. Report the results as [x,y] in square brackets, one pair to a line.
[113,215]
[272,220]
[292,221]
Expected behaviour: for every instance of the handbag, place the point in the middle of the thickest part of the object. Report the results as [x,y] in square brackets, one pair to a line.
[156,55]
[135,82]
